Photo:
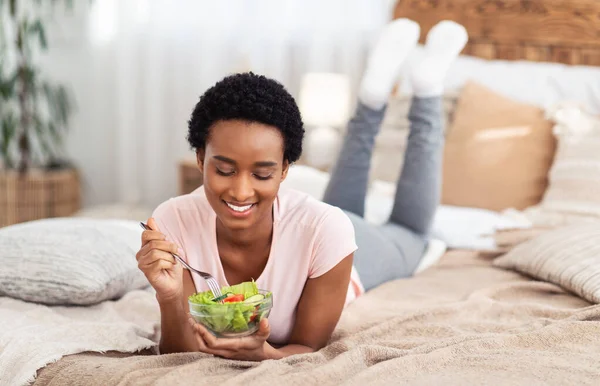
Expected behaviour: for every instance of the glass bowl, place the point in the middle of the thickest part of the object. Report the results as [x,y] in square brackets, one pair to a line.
[232,320]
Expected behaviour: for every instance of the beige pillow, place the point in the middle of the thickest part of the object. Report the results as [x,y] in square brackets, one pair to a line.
[498,152]
[567,256]
[573,194]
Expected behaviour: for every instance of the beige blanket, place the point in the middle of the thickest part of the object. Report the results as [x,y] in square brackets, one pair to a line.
[461,322]
[33,335]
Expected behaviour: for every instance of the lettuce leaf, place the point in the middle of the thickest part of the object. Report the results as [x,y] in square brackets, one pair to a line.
[247,288]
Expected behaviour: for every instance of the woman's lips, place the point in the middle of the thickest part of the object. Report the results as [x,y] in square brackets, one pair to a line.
[238,210]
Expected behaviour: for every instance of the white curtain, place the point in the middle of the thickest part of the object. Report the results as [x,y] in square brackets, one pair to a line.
[137,67]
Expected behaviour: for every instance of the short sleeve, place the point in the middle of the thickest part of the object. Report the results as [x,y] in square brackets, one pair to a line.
[334,241]
[167,219]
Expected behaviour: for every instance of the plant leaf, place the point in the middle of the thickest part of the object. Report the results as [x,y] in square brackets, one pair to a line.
[38,28]
[13,8]
[63,104]
[28,77]
[55,133]
[7,87]
[42,139]
[8,130]
[59,103]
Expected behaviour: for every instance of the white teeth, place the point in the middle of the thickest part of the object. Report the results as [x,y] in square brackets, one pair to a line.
[239,208]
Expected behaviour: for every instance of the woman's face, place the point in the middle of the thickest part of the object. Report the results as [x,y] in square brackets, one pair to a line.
[243,167]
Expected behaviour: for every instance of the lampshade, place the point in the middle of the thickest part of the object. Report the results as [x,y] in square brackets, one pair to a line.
[325,99]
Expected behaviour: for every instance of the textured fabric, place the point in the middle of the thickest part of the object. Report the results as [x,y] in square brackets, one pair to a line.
[568,257]
[33,335]
[394,249]
[498,152]
[573,193]
[309,238]
[70,261]
[461,322]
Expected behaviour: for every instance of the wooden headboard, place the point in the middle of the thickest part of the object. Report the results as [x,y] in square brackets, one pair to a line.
[564,31]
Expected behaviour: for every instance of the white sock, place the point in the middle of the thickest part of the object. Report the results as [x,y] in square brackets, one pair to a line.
[396,40]
[444,43]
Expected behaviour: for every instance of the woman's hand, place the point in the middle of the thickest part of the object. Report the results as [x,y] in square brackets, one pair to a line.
[160,267]
[249,348]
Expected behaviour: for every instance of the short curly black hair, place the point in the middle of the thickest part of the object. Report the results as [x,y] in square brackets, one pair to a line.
[253,98]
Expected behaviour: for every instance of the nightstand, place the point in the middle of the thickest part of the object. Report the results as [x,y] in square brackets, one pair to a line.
[190,177]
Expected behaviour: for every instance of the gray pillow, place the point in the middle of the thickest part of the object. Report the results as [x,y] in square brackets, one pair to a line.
[70,261]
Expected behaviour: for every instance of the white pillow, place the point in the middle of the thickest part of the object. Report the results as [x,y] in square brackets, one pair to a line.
[457,227]
[307,179]
[70,261]
[538,83]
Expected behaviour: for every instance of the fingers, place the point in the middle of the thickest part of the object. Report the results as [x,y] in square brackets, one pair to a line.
[264,329]
[153,225]
[202,334]
[157,265]
[148,236]
[159,245]
[229,348]
[153,256]
[211,341]
[258,338]
[153,234]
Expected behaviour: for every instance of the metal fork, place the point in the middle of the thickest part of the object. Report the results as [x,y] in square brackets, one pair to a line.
[210,280]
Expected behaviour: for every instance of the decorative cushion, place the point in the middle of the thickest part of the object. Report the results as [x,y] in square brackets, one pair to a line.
[70,261]
[573,193]
[498,152]
[568,257]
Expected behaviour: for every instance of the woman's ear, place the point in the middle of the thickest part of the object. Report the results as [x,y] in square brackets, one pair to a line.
[200,159]
[286,168]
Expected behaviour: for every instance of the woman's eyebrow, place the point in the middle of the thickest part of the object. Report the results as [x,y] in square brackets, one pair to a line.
[265,164]
[225,159]
[260,164]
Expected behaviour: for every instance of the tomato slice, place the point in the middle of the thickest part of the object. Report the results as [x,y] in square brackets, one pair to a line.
[234,298]
[254,314]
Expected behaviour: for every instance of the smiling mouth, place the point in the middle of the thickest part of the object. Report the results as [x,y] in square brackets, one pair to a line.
[240,208]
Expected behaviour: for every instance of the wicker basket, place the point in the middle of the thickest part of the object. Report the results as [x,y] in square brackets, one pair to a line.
[38,194]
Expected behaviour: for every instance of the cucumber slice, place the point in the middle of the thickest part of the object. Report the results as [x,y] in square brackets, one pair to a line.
[218,299]
[254,298]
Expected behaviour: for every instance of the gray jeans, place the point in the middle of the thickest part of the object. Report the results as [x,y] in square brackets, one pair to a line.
[392,250]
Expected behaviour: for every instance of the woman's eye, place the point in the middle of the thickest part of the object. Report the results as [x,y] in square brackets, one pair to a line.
[263,177]
[225,173]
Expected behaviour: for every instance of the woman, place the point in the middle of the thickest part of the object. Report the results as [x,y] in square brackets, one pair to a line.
[240,225]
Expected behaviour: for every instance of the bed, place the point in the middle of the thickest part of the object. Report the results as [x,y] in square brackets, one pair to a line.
[463,320]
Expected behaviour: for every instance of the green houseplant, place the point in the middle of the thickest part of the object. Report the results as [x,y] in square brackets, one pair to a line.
[36,181]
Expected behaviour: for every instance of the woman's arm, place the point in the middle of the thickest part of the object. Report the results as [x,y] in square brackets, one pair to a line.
[176,333]
[318,312]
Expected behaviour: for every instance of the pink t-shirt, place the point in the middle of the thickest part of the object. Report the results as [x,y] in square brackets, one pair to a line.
[309,238]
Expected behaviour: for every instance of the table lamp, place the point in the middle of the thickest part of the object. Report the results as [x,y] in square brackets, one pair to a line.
[325,106]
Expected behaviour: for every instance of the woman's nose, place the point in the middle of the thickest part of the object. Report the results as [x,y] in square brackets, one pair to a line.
[242,189]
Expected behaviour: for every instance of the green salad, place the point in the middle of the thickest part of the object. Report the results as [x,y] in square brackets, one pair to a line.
[240,307]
